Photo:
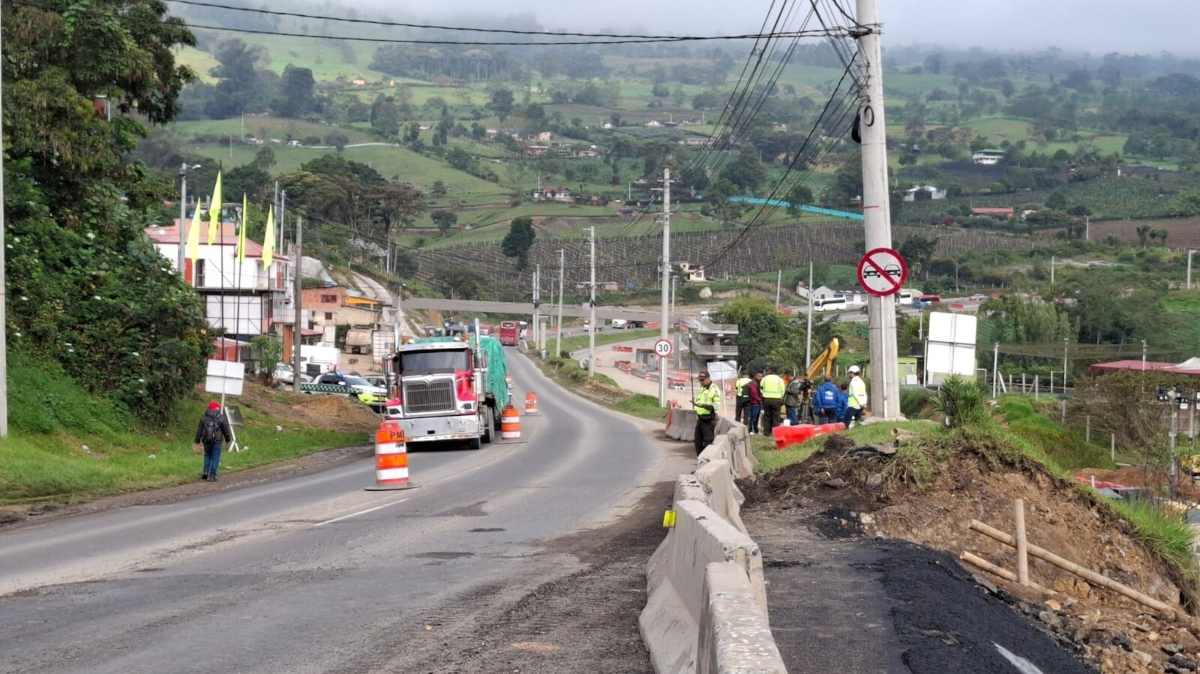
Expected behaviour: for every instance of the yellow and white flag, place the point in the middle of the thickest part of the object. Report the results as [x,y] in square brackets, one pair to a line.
[214,212]
[268,255]
[193,235]
[241,244]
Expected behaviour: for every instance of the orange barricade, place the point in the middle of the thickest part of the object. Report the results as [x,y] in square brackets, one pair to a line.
[794,435]
[510,424]
[391,458]
[531,403]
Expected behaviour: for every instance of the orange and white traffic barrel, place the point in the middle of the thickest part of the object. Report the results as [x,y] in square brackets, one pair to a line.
[391,458]
[531,403]
[510,423]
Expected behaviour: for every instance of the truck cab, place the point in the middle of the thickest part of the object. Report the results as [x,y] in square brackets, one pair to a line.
[444,392]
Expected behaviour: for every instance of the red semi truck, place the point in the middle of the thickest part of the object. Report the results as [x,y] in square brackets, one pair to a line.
[510,332]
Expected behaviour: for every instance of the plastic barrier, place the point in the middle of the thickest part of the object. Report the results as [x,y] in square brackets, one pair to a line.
[391,458]
[510,424]
[794,435]
[531,403]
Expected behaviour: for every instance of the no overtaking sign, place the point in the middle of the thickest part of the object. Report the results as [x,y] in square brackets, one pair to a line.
[882,272]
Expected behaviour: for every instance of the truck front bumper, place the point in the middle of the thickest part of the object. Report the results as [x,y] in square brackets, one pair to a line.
[433,429]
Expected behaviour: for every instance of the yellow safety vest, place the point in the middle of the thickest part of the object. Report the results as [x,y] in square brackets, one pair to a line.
[772,387]
[858,393]
[740,386]
[709,395]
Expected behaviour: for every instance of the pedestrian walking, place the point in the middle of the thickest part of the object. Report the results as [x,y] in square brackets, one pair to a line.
[826,402]
[772,388]
[793,398]
[211,433]
[741,394]
[754,389]
[707,401]
[857,401]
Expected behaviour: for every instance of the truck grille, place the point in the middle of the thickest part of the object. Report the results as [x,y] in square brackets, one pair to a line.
[422,397]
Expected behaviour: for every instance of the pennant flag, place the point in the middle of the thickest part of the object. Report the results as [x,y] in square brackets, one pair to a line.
[241,244]
[193,235]
[268,255]
[214,212]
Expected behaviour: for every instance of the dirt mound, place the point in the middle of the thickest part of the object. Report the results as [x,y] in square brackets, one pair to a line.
[930,491]
[326,412]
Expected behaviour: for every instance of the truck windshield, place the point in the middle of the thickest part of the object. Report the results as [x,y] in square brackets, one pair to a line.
[434,361]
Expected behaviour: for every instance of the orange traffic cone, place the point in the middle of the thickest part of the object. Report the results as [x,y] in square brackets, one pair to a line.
[531,403]
[510,424]
[391,458]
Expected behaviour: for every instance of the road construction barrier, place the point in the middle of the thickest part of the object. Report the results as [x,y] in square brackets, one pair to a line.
[785,436]
[510,424]
[391,458]
[531,403]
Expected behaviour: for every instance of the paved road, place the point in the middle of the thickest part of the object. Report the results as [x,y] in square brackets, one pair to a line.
[313,574]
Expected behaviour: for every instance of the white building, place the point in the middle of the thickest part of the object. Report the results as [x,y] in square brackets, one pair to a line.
[246,299]
[988,157]
[934,193]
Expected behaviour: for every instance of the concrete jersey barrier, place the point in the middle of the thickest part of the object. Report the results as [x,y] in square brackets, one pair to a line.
[707,608]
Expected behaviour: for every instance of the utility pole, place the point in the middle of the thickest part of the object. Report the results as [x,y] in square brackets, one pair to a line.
[1051,270]
[1066,345]
[885,393]
[537,282]
[183,168]
[808,331]
[778,282]
[561,276]
[666,285]
[1191,251]
[995,369]
[298,300]
[1087,227]
[592,307]
[1143,355]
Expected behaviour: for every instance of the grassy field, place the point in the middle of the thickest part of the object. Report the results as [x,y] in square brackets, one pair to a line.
[66,446]
[1182,232]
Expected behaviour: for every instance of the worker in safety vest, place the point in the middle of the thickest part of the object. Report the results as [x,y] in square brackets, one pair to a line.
[707,402]
[772,388]
[857,401]
[741,394]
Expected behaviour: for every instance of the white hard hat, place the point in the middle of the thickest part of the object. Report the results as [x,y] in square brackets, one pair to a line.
[853,369]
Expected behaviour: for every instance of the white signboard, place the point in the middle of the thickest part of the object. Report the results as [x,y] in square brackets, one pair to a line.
[950,349]
[225,377]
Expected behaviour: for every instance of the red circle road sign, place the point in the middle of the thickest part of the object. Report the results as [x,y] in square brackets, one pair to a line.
[663,348]
[882,272]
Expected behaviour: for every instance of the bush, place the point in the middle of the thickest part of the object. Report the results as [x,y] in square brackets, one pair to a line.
[961,402]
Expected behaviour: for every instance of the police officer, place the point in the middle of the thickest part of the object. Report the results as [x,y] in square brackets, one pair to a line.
[773,388]
[742,396]
[707,401]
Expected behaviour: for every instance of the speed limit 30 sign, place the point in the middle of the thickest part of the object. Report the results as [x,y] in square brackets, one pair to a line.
[882,272]
[662,348]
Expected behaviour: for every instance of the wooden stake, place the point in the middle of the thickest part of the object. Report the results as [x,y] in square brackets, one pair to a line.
[1022,551]
[1000,572]
[1086,574]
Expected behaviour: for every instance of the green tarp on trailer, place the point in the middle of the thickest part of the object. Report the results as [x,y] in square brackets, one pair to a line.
[497,370]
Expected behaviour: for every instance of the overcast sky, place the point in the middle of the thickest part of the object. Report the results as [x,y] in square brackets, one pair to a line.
[1099,26]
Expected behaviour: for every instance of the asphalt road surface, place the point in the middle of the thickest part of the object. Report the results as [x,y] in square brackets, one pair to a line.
[314,574]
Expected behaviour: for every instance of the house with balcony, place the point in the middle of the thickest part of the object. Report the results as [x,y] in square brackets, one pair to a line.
[246,299]
[711,342]
[337,305]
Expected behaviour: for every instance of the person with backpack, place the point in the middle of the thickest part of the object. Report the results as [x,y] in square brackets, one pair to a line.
[211,433]
[827,402]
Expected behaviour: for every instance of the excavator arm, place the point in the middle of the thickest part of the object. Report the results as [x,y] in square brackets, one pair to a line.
[823,364]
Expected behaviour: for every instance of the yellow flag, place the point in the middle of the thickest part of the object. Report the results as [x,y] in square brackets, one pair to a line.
[193,235]
[214,212]
[268,255]
[241,244]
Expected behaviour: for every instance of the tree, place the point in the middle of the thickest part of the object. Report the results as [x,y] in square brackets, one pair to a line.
[296,92]
[1143,233]
[239,76]
[268,351]
[338,140]
[438,189]
[460,159]
[1057,201]
[385,116]
[917,251]
[760,327]
[661,91]
[720,205]
[519,240]
[501,103]
[88,295]
[800,195]
[748,172]
[444,220]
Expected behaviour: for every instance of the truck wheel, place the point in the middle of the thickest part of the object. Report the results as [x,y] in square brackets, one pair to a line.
[474,443]
[488,433]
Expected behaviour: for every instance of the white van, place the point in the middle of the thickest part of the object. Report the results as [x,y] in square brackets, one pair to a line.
[835,303]
[905,296]
[620,323]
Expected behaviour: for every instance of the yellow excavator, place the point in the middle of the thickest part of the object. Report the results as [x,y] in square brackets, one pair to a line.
[823,364]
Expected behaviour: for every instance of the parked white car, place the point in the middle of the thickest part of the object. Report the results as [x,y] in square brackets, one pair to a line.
[284,374]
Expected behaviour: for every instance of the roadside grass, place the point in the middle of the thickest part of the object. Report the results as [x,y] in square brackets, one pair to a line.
[44,458]
[1167,534]
[1065,447]
[770,459]
[600,389]
[642,405]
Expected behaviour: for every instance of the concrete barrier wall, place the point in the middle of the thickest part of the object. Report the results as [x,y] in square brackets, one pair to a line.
[681,425]
[707,605]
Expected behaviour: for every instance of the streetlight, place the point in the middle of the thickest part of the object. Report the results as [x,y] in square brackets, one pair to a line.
[183,171]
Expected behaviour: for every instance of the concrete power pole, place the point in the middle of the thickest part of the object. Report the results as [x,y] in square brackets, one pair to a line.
[808,331]
[885,387]
[562,256]
[537,281]
[1191,251]
[778,282]
[183,169]
[298,300]
[666,285]
[3,307]
[592,307]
